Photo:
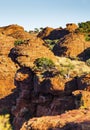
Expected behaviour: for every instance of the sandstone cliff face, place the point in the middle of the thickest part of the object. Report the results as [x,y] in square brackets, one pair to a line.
[30,93]
[7,67]
[50,98]
[40,99]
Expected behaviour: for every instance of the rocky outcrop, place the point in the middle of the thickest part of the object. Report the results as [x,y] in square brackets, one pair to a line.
[15,31]
[24,81]
[45,32]
[82,99]
[28,52]
[52,34]
[7,30]
[50,96]
[30,92]
[72,45]
[71,27]
[40,97]
[8,90]
[72,120]
[82,95]
[84,82]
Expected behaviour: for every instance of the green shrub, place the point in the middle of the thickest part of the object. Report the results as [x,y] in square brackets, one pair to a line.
[44,64]
[88,62]
[36,30]
[74,58]
[63,72]
[87,37]
[18,42]
[65,69]
[84,27]
[50,43]
[5,122]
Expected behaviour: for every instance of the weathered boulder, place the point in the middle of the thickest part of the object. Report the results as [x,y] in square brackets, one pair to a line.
[71,27]
[26,54]
[72,120]
[72,45]
[15,31]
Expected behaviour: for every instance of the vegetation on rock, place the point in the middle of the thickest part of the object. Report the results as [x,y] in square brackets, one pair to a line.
[39,82]
[18,42]
[84,27]
[88,62]
[5,122]
[50,43]
[44,64]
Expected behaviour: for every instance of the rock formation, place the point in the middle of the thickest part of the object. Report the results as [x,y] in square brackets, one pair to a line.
[56,98]
[72,45]
[72,120]
[52,34]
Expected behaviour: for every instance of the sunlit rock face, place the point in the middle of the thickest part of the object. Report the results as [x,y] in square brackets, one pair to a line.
[50,95]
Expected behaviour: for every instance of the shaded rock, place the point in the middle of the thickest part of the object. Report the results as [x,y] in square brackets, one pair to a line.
[46,31]
[52,34]
[56,85]
[53,85]
[84,82]
[57,106]
[23,80]
[82,99]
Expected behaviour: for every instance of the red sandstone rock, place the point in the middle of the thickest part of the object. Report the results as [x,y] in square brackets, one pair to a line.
[75,119]
[41,95]
[50,33]
[72,45]
[71,27]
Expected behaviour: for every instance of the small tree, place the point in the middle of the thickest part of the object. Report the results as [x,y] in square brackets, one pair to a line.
[84,27]
[88,62]
[36,30]
[44,64]
[18,42]
[41,29]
